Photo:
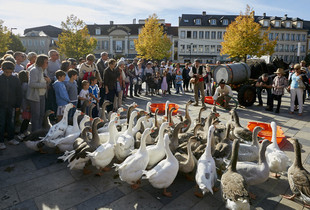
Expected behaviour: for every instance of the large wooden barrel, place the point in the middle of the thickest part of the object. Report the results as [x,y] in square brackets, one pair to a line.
[232,73]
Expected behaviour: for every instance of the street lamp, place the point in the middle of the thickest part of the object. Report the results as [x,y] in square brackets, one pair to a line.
[13,29]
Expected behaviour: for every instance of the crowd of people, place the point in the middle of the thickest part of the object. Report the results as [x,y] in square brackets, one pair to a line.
[31,84]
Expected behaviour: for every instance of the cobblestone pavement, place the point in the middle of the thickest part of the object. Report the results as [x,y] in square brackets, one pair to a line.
[29,180]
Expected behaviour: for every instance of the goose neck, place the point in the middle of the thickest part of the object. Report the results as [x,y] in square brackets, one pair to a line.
[130,109]
[227,131]
[156,122]
[96,139]
[297,161]
[236,119]
[186,111]
[46,123]
[262,156]
[254,136]
[111,131]
[274,136]
[234,156]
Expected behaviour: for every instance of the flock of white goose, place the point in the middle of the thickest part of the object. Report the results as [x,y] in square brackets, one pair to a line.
[156,148]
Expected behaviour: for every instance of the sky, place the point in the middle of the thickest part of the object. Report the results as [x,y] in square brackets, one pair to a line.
[20,14]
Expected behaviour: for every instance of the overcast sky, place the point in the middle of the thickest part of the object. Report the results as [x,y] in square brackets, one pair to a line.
[23,14]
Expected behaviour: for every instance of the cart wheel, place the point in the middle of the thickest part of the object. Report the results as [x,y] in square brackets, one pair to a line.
[247,95]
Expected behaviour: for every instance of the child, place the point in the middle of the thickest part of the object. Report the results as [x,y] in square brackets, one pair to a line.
[164,84]
[9,86]
[178,81]
[62,97]
[72,90]
[94,93]
[157,81]
[25,107]
[84,93]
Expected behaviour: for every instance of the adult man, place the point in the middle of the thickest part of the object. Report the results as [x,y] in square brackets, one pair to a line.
[18,56]
[10,99]
[101,66]
[53,64]
[264,82]
[223,94]
[197,74]
[110,76]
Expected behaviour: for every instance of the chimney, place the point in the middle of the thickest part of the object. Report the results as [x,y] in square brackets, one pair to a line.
[134,21]
[179,19]
[264,14]
[204,13]
[111,22]
[285,15]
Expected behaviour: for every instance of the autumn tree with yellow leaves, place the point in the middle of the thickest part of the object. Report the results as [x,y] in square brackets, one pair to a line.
[5,38]
[152,42]
[244,37]
[75,41]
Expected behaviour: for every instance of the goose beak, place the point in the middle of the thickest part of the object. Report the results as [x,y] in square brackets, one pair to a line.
[52,112]
[91,119]
[217,114]
[82,113]
[124,110]
[73,106]
[170,124]
[118,115]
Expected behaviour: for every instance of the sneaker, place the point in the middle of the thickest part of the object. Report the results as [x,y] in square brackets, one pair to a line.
[2,146]
[13,142]
[259,104]
[277,111]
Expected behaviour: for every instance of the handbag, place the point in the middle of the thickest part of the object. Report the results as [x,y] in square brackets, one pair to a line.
[301,84]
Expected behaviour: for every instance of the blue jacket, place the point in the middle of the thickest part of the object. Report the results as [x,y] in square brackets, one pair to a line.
[62,97]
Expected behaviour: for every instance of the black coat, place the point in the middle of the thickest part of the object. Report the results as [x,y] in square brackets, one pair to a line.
[10,92]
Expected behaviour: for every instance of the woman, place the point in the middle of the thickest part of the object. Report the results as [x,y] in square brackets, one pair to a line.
[110,76]
[89,68]
[186,77]
[208,80]
[120,84]
[296,89]
[139,74]
[278,85]
[32,56]
[36,91]
[132,76]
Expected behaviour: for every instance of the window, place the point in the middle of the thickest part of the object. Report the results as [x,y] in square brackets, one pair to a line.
[303,37]
[185,21]
[194,48]
[106,45]
[24,42]
[36,43]
[270,36]
[298,37]
[207,35]
[298,24]
[303,48]
[219,35]
[200,48]
[266,23]
[42,43]
[200,34]
[213,34]
[194,34]
[182,34]
[118,46]
[189,35]
[29,42]
[281,47]
[212,48]
[131,45]
[292,37]
[225,22]
[282,36]
[98,45]
[218,49]
[287,48]
[182,48]
[213,22]
[98,31]
[287,37]
[292,48]
[197,21]
[188,48]
[285,58]
[277,24]
[276,36]
[207,48]
[288,24]
[276,48]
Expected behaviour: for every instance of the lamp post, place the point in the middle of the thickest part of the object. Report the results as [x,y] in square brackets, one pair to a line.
[13,29]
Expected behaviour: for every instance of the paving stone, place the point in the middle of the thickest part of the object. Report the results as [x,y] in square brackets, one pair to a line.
[302,134]
[307,161]
[8,196]
[44,184]
[138,199]
[108,181]
[25,205]
[45,160]
[304,142]
[286,204]
[208,202]
[101,200]
[67,196]
[275,186]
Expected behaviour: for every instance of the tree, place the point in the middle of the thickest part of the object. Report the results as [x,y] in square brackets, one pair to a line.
[244,37]
[152,42]
[16,44]
[75,41]
[5,38]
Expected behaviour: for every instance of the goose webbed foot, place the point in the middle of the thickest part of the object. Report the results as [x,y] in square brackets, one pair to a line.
[86,171]
[289,197]
[188,177]
[167,194]
[215,189]
[307,206]
[106,169]
[276,175]
[135,186]
[42,151]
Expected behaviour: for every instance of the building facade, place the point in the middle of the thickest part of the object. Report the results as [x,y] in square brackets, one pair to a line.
[40,39]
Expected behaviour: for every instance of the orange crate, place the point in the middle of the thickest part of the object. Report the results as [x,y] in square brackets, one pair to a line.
[267,131]
[209,100]
[161,107]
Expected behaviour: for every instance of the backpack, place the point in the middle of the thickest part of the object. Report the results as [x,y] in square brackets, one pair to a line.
[87,75]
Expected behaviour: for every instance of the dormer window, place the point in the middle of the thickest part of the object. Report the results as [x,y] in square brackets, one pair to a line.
[98,31]
[185,20]
[225,22]
[213,22]
[266,23]
[298,24]
[288,24]
[277,24]
[197,21]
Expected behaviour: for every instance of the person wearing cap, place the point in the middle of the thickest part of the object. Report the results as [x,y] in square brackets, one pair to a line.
[198,73]
[294,88]
[278,85]
[223,94]
[10,99]
[264,82]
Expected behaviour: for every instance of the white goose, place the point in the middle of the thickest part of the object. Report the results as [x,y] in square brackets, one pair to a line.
[59,129]
[276,159]
[157,152]
[165,117]
[75,127]
[150,122]
[104,154]
[206,171]
[125,142]
[164,173]
[132,168]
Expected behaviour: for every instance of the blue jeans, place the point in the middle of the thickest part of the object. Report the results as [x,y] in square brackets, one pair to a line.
[7,116]
[179,87]
[269,96]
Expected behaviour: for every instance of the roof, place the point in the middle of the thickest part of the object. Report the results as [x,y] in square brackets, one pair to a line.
[35,34]
[49,30]
[307,26]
